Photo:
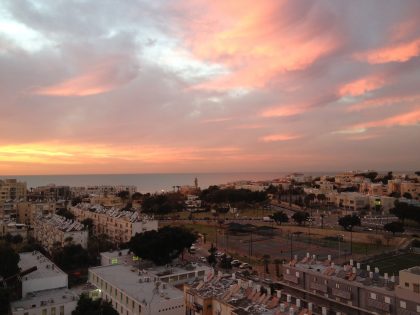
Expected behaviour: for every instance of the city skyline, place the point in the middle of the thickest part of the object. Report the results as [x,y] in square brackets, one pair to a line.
[198,86]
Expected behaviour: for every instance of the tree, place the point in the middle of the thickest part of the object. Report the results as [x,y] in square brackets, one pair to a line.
[66,213]
[266,262]
[17,239]
[87,306]
[98,244]
[75,201]
[404,211]
[407,195]
[123,194]
[280,217]
[71,257]
[277,263]
[321,198]
[300,217]
[309,199]
[5,297]
[162,246]
[88,223]
[394,227]
[137,196]
[348,222]
[226,262]
[211,259]
[9,261]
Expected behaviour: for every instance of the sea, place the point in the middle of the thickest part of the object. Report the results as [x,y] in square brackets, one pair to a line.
[151,183]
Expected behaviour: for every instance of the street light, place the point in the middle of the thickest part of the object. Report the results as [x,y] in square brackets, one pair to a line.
[351,239]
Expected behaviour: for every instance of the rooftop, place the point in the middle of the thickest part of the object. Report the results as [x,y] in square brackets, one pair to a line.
[45,267]
[413,270]
[127,279]
[351,272]
[61,223]
[131,216]
[44,298]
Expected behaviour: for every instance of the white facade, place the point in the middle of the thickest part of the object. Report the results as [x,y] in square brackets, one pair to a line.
[148,291]
[50,302]
[47,276]
[119,225]
[132,294]
[55,229]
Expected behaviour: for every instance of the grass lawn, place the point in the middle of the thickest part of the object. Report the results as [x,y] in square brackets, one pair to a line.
[392,264]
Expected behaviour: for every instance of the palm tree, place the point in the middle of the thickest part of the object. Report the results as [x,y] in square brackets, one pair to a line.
[266,262]
[277,263]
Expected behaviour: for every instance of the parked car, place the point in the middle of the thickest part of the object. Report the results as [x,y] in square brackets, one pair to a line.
[245,266]
[235,263]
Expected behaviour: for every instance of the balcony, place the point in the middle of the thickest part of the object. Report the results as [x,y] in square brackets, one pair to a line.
[342,294]
[318,287]
[291,278]
[378,305]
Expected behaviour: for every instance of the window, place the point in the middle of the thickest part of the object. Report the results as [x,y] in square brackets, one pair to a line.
[62,310]
[337,285]
[387,300]
[406,284]
[44,311]
[373,296]
[403,304]
[52,310]
[418,308]
[288,271]
[416,288]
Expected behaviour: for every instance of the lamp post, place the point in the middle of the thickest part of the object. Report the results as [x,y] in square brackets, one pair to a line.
[351,239]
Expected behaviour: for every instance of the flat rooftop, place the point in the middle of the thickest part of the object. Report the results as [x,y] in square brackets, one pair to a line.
[45,267]
[127,279]
[44,298]
[162,271]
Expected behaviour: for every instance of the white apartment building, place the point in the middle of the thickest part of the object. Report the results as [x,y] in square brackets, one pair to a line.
[353,201]
[143,292]
[27,211]
[377,189]
[384,203]
[120,226]
[44,291]
[49,230]
[11,189]
[102,190]
[394,186]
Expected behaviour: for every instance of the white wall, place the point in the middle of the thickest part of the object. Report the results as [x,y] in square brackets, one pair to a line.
[40,284]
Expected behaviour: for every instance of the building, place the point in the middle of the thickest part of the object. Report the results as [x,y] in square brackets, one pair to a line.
[348,289]
[394,186]
[45,290]
[381,203]
[8,210]
[56,230]
[10,227]
[150,291]
[119,225]
[28,211]
[353,201]
[411,188]
[232,294]
[377,189]
[103,190]
[193,203]
[11,189]
[408,291]
[50,193]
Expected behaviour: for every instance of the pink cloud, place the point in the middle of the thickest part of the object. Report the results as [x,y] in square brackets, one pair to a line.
[361,86]
[383,101]
[255,41]
[411,118]
[103,77]
[279,137]
[283,111]
[398,52]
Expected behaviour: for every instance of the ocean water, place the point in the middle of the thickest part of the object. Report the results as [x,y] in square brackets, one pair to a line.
[147,182]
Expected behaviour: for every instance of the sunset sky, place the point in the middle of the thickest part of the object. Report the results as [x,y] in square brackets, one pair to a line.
[116,86]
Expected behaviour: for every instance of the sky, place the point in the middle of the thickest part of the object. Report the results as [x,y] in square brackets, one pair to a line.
[140,86]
